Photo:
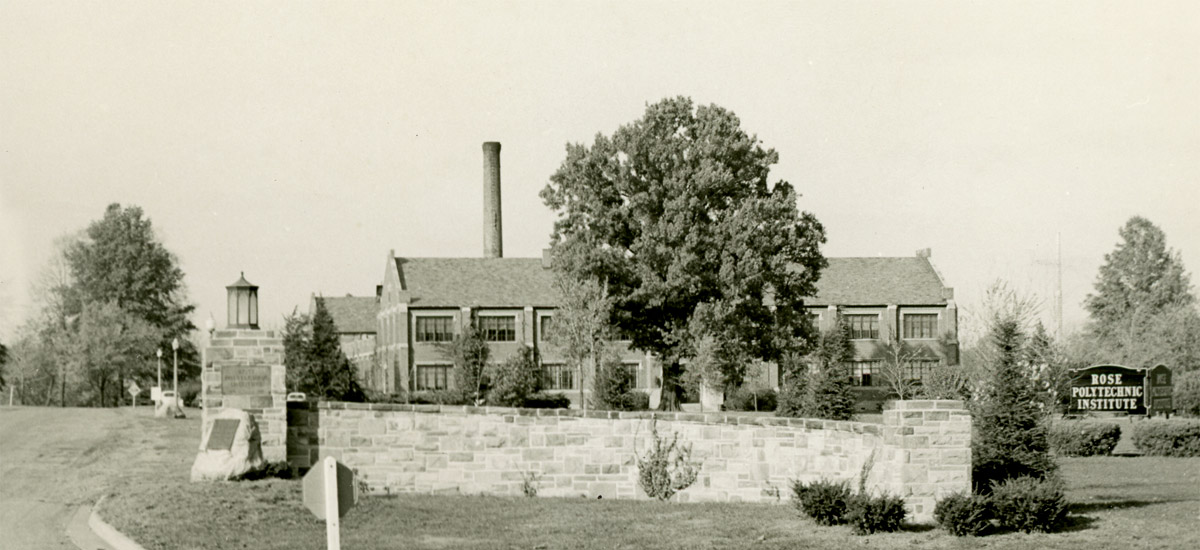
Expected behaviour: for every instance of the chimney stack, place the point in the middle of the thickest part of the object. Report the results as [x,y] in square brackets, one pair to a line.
[493,246]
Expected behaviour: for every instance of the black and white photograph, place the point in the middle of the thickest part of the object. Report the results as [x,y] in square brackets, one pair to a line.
[599,274]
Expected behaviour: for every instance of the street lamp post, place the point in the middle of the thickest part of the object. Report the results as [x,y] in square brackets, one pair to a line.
[158,352]
[175,383]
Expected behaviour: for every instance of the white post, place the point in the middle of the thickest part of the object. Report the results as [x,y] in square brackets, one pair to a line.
[333,536]
[10,395]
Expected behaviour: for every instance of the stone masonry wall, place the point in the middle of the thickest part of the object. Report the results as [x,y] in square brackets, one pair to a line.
[921,451]
[267,403]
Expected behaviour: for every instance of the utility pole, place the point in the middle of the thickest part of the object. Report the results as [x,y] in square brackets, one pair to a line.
[1058,312]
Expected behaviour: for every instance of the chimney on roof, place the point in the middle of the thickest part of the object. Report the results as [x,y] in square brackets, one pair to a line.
[925,253]
[493,246]
[378,291]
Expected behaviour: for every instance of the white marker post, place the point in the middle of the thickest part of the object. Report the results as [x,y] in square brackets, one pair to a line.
[333,536]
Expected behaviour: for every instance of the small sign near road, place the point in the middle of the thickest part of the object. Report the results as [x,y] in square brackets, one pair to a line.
[1160,388]
[134,390]
[329,493]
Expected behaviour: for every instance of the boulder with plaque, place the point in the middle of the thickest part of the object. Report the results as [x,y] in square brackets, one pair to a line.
[231,447]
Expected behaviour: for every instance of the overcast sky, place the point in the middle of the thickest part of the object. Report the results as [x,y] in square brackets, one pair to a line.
[299,142]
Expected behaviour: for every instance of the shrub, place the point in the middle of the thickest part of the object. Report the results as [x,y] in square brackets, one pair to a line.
[1186,393]
[1084,438]
[611,384]
[634,401]
[437,397]
[667,467]
[964,514]
[751,399]
[548,401]
[515,379]
[190,392]
[1010,436]
[270,470]
[868,514]
[1175,437]
[824,501]
[1029,504]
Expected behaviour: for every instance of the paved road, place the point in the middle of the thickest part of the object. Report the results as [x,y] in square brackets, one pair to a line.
[51,462]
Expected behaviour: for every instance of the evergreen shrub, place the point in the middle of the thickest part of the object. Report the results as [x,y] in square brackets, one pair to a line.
[868,514]
[1173,437]
[751,399]
[547,401]
[437,397]
[1084,438]
[824,501]
[964,514]
[1030,504]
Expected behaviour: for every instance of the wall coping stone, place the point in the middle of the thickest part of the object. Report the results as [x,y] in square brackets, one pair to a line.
[925,405]
[713,418]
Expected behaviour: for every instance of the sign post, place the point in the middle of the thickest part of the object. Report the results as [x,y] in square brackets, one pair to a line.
[329,493]
[134,390]
[1160,389]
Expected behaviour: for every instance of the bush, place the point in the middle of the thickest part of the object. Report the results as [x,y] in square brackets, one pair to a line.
[667,467]
[437,397]
[751,399]
[1029,504]
[822,500]
[271,470]
[1175,437]
[515,379]
[867,514]
[189,391]
[634,401]
[964,514]
[1084,438]
[1187,393]
[548,401]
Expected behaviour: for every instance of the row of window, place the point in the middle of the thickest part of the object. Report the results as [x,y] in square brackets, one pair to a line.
[861,372]
[866,326]
[554,376]
[504,328]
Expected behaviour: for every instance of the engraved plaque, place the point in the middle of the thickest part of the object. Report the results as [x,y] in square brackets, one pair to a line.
[246,380]
[221,436]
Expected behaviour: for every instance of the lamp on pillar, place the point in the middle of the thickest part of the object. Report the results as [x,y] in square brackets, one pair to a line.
[243,304]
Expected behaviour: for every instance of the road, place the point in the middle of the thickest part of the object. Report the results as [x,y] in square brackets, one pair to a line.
[54,460]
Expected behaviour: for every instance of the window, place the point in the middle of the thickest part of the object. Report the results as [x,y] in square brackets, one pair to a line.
[498,329]
[435,329]
[920,325]
[545,325]
[918,368]
[433,377]
[863,327]
[630,372]
[861,371]
[558,377]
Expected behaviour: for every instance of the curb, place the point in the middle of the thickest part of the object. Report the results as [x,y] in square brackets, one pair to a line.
[108,533]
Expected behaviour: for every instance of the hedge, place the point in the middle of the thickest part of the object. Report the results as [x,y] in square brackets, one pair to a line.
[1161,437]
[1084,438]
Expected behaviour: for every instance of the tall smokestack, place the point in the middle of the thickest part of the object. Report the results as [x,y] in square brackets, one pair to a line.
[493,246]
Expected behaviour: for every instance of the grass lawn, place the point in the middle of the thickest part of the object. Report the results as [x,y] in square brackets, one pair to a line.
[1117,502]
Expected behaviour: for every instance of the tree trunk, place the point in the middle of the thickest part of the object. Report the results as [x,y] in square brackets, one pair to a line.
[669,401]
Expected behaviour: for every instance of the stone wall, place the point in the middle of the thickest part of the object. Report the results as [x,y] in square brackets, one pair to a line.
[921,451]
[251,352]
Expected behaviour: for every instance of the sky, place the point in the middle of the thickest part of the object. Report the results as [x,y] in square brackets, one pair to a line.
[298,142]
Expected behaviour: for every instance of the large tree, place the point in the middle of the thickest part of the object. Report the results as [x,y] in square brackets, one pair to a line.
[581,325]
[119,259]
[1141,277]
[675,213]
[314,359]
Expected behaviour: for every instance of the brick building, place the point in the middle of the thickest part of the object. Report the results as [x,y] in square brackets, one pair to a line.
[424,302]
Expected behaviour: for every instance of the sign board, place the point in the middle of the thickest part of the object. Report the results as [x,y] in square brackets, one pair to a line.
[1160,389]
[315,484]
[134,389]
[246,380]
[1108,388]
[220,437]
[156,394]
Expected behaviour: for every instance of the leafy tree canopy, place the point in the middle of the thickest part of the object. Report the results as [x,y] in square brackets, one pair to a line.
[1140,276]
[675,213]
[314,359]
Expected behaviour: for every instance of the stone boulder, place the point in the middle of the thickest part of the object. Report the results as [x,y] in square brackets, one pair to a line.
[231,447]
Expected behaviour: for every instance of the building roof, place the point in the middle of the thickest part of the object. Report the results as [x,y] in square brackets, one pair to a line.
[476,282]
[352,314]
[879,281]
[520,282]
